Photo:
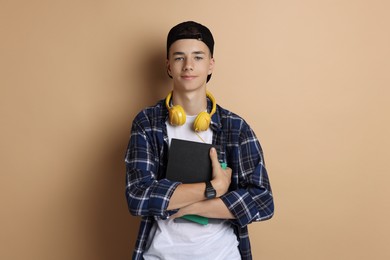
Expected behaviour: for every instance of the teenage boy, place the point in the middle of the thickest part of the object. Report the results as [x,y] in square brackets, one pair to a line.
[235,197]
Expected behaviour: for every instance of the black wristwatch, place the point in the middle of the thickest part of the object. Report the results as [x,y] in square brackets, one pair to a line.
[210,192]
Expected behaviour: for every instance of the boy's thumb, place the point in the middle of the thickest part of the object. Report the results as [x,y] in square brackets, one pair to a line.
[213,156]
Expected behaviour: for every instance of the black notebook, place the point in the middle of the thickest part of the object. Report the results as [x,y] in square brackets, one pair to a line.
[189,162]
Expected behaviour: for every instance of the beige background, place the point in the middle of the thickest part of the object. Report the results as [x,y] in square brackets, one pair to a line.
[311,77]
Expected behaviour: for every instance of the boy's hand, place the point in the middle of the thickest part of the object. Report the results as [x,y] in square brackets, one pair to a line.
[221,177]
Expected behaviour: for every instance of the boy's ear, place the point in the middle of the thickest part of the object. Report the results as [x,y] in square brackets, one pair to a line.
[211,65]
[168,68]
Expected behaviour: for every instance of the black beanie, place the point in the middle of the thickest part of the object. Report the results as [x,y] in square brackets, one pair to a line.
[191,30]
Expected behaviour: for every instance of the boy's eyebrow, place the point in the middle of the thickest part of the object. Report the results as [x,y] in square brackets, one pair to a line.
[182,53]
[199,52]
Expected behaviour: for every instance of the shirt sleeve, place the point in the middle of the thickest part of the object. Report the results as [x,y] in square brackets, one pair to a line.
[146,195]
[251,199]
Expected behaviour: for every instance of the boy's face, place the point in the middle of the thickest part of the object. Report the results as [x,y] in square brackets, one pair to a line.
[189,63]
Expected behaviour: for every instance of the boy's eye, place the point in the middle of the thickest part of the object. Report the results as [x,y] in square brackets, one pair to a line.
[198,58]
[179,58]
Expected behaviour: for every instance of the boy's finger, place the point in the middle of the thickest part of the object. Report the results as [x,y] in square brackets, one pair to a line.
[213,156]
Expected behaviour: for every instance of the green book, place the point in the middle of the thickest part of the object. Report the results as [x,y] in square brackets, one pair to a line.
[197,219]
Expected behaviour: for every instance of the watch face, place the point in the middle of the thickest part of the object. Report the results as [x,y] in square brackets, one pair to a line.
[210,193]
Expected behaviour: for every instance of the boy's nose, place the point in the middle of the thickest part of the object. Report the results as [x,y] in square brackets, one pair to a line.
[188,66]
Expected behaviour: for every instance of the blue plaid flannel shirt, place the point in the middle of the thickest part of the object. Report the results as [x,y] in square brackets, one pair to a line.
[148,191]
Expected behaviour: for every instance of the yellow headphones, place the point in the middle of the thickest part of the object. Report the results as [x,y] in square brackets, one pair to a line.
[177,116]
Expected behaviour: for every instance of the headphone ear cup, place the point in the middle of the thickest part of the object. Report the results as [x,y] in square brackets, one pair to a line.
[177,116]
[202,122]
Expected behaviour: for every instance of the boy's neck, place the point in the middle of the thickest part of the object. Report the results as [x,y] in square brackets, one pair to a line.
[192,102]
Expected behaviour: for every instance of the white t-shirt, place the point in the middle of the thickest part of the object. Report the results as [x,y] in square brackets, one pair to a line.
[180,239]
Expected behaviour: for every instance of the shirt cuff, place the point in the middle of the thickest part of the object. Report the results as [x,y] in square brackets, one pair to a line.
[242,206]
[159,198]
